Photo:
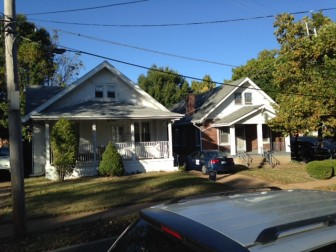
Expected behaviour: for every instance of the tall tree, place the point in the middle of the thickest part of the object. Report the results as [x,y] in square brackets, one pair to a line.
[306,73]
[164,84]
[199,87]
[38,63]
[261,71]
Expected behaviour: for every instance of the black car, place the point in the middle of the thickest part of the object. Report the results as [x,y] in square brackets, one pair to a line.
[306,149]
[209,160]
[252,220]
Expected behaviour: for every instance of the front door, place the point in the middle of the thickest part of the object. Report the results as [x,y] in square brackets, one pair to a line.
[251,137]
[240,138]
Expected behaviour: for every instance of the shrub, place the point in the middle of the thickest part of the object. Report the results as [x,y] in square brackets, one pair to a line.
[111,163]
[64,146]
[321,169]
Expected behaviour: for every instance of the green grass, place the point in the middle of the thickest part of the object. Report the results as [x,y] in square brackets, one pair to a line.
[50,198]
[283,175]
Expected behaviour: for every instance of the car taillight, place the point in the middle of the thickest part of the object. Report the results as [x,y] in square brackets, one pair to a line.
[171,232]
[214,161]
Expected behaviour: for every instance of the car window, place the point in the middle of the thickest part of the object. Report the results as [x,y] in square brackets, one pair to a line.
[144,237]
[195,154]
[4,152]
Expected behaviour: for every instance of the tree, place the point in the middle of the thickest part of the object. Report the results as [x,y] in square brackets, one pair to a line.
[111,163]
[64,146]
[199,87]
[38,64]
[305,71]
[164,84]
[261,71]
[67,67]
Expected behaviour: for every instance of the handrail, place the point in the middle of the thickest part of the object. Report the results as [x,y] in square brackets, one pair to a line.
[246,157]
[271,159]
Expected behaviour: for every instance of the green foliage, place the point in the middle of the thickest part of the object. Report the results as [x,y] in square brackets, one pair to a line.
[260,70]
[111,163]
[321,169]
[64,146]
[37,63]
[164,85]
[305,71]
[203,86]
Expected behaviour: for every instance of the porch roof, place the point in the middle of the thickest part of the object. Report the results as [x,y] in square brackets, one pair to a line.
[236,115]
[100,110]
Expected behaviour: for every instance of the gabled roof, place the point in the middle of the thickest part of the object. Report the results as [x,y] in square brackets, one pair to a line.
[206,103]
[237,115]
[101,110]
[83,79]
[37,95]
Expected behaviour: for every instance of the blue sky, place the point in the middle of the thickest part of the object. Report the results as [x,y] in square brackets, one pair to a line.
[225,44]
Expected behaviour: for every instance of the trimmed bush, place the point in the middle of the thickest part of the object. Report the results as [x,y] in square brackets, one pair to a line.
[321,169]
[111,163]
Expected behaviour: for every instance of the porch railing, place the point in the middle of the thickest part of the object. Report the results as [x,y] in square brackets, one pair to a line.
[127,150]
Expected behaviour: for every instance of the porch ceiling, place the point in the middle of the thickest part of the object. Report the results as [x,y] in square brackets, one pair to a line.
[236,116]
[105,110]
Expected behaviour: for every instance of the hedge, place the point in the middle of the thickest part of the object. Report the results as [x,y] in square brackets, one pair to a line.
[321,169]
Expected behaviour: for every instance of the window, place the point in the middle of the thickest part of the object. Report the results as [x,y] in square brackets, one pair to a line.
[99,92]
[248,98]
[238,98]
[142,132]
[111,92]
[224,135]
[117,134]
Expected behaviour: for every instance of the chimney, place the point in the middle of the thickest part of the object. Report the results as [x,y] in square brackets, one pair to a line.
[190,104]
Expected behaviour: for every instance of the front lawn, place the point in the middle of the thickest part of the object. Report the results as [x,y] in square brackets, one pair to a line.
[283,174]
[51,198]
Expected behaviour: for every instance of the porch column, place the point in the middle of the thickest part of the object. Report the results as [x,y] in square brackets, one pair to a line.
[233,147]
[47,143]
[260,139]
[94,141]
[170,139]
[133,141]
[287,143]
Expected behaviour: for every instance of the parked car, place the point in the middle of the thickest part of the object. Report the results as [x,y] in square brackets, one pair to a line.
[309,148]
[4,159]
[207,160]
[265,220]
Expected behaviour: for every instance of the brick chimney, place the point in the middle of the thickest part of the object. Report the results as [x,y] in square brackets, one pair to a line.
[190,103]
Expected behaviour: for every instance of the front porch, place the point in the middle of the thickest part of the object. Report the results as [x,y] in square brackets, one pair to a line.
[127,150]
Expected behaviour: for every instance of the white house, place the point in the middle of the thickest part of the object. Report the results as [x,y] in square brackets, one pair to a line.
[231,117]
[108,107]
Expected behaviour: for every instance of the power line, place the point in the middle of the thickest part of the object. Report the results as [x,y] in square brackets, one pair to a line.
[145,49]
[177,74]
[85,9]
[180,24]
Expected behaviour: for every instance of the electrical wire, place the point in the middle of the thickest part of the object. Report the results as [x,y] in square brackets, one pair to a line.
[85,9]
[144,49]
[177,74]
[180,24]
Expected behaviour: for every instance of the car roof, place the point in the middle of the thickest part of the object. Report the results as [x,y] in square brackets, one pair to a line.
[257,218]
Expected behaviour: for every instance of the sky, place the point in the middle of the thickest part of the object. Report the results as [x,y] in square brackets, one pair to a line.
[193,37]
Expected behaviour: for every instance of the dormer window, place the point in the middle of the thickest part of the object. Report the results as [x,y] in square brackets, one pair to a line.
[105,91]
[248,98]
[99,92]
[110,92]
[238,98]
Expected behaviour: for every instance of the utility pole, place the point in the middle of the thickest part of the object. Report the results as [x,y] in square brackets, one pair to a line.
[14,121]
